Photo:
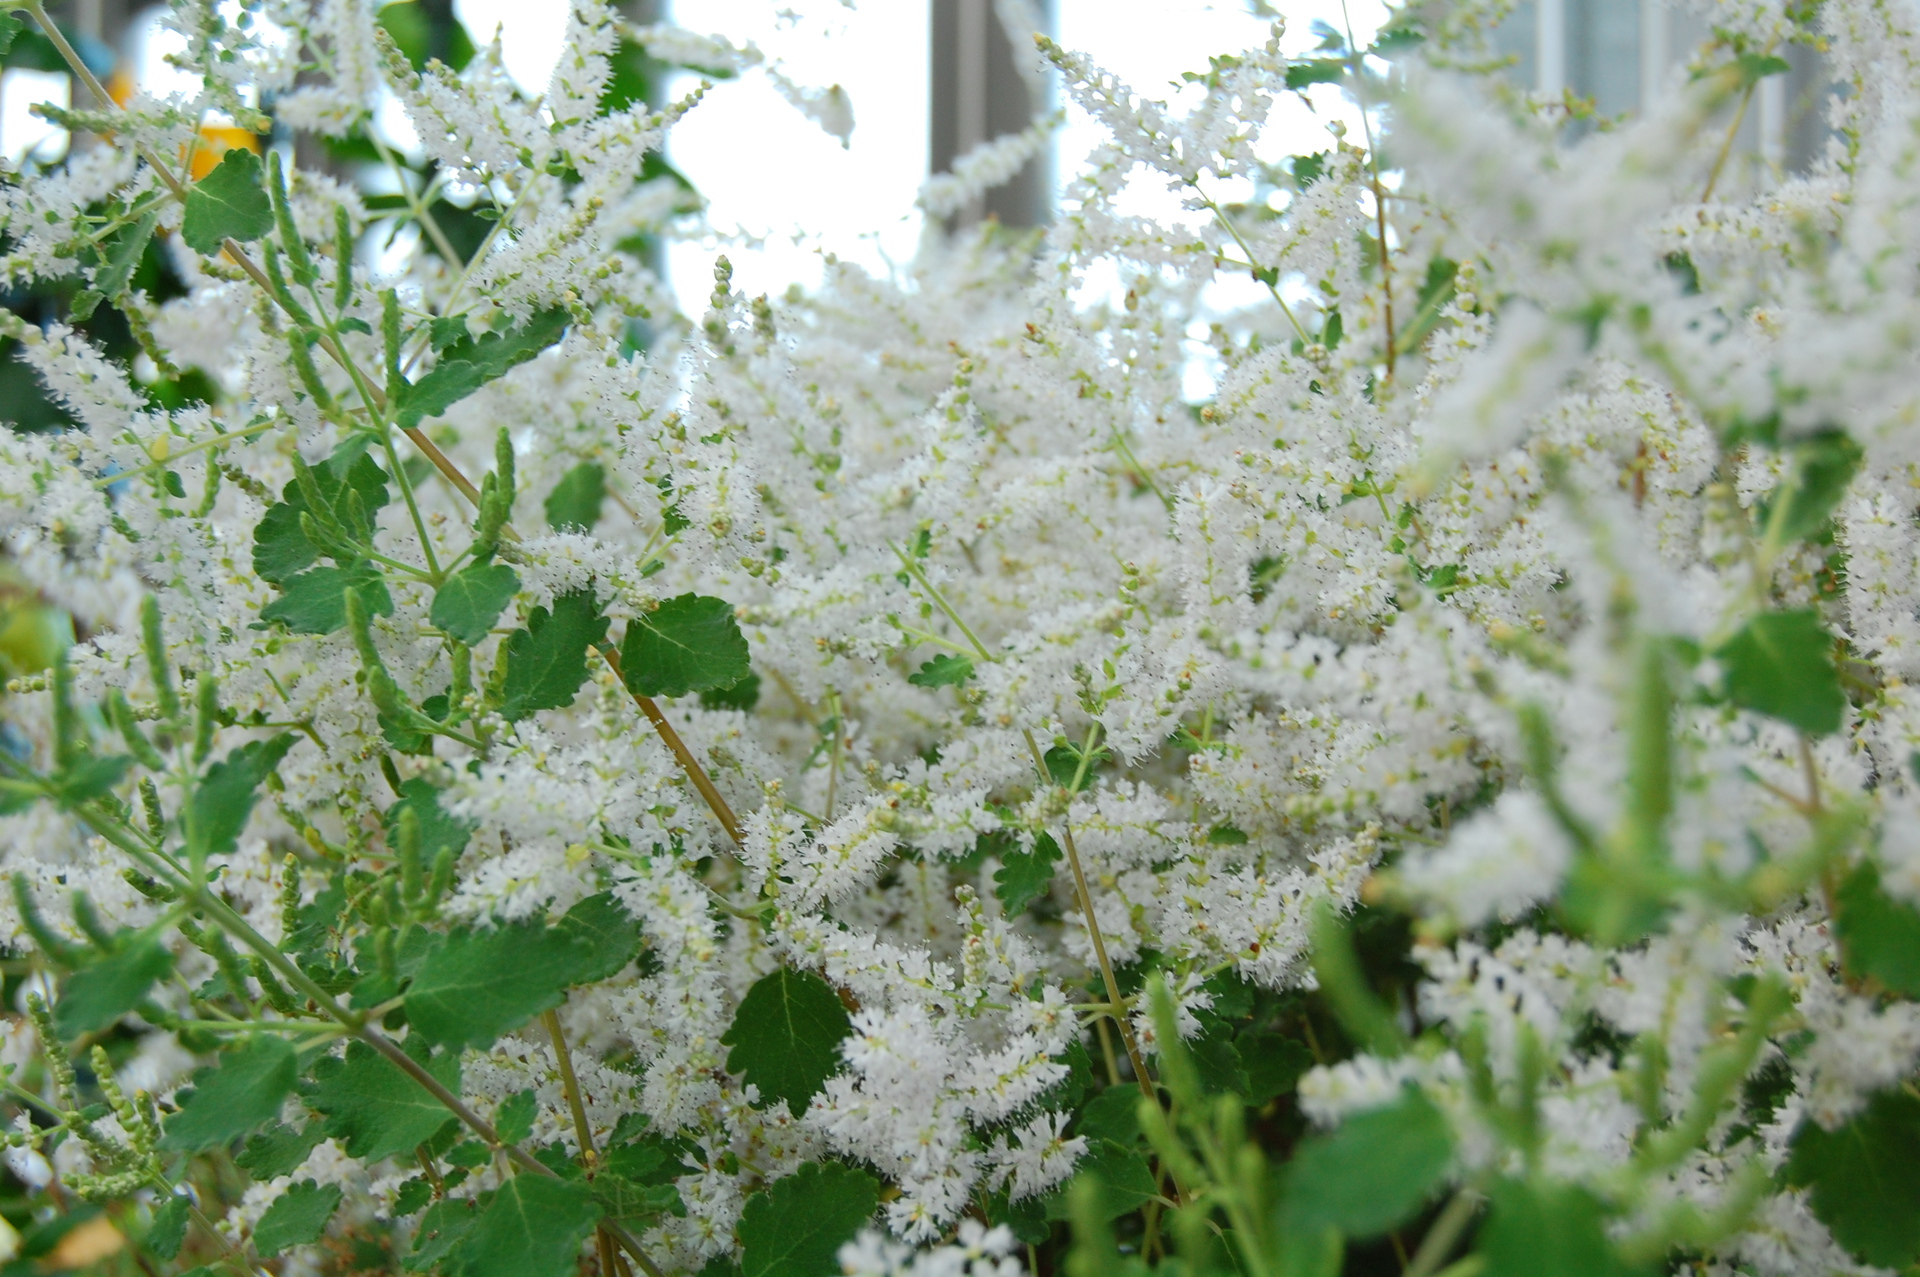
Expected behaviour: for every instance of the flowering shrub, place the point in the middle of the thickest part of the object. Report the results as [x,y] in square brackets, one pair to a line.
[872,776]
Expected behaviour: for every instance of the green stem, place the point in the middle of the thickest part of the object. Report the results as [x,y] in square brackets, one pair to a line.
[416,201]
[1207,202]
[228,1251]
[413,508]
[1444,1234]
[940,601]
[926,637]
[1084,896]
[120,476]
[1357,62]
[428,578]
[319,1030]
[570,1085]
[1726,145]
[1126,451]
[466,269]
[833,772]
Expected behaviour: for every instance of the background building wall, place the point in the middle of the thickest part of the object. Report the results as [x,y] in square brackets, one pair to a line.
[1624,54]
[978,94]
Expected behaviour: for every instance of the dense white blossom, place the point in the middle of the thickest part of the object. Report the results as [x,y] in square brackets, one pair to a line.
[1442,599]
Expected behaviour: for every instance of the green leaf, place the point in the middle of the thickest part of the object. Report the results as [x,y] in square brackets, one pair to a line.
[1026,1218]
[532,1227]
[605,934]
[101,992]
[280,546]
[1879,936]
[1372,1174]
[1064,764]
[1392,39]
[448,331]
[786,1037]
[169,1228]
[515,1117]
[1274,1065]
[118,263]
[1865,1178]
[574,503]
[223,800]
[1823,466]
[1317,71]
[278,1150]
[1217,1060]
[481,984]
[440,1230]
[298,1216]
[944,670]
[1308,169]
[796,1227]
[547,661]
[315,602]
[1124,1178]
[687,644]
[622,1199]
[228,203]
[10,24]
[472,600]
[373,1108]
[413,28]
[1024,876]
[1546,1228]
[86,778]
[742,696]
[466,366]
[644,1158]
[1755,67]
[412,1196]
[245,1092]
[1113,1115]
[438,831]
[1781,664]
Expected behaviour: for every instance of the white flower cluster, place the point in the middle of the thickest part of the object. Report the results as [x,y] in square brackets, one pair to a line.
[1508,429]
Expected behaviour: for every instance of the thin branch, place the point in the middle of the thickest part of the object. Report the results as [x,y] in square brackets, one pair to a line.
[570,1084]
[1358,62]
[688,763]
[1084,895]
[1726,145]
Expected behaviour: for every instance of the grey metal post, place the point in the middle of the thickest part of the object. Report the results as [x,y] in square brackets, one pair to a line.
[979,94]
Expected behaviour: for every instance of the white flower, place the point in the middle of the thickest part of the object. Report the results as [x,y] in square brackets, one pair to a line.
[1495,864]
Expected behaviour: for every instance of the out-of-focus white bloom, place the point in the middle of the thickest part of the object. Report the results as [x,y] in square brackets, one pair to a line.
[1328,1093]
[976,1251]
[1496,864]
[830,107]
[986,166]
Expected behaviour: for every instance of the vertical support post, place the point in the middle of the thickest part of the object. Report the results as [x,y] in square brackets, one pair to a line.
[1550,47]
[970,87]
[1656,55]
[979,92]
[1771,95]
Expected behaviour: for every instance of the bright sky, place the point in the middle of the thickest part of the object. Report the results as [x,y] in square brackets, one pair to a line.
[769,171]
[21,131]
